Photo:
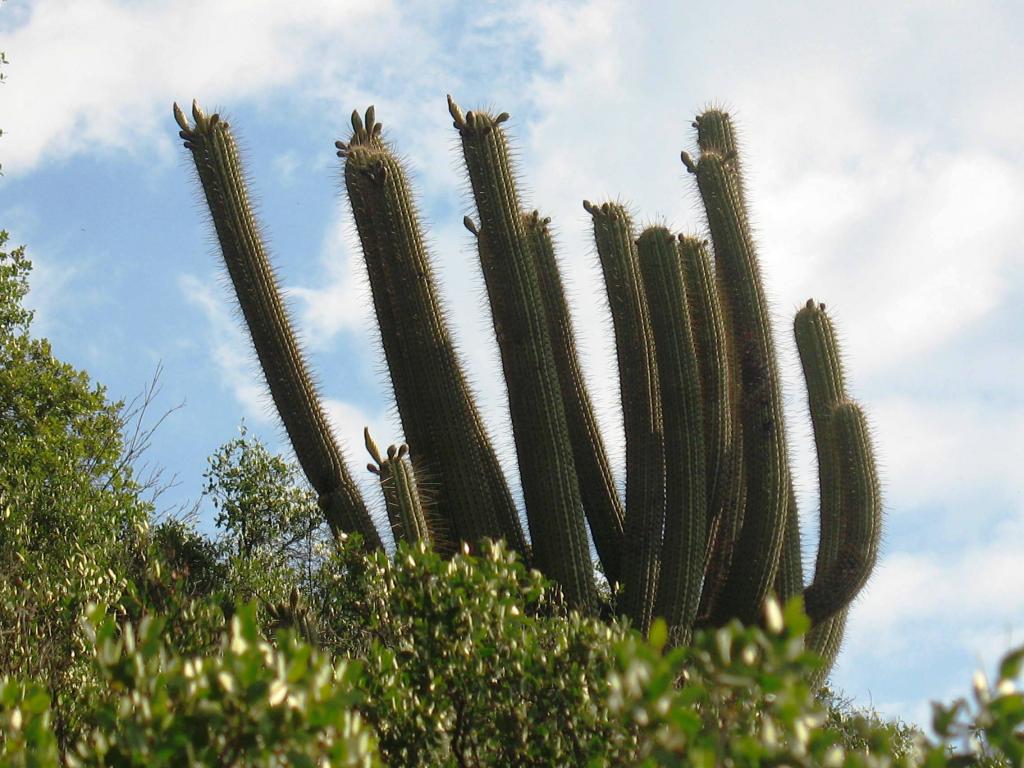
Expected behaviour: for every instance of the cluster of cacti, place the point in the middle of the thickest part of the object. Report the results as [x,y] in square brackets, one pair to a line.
[709,527]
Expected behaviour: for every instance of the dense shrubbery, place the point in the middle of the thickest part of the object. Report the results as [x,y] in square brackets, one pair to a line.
[127,642]
[473,662]
[70,511]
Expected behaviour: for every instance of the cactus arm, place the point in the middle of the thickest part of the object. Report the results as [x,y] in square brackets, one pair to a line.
[860,515]
[439,416]
[722,437]
[756,558]
[641,409]
[684,545]
[222,178]
[601,502]
[543,446]
[826,387]
[401,492]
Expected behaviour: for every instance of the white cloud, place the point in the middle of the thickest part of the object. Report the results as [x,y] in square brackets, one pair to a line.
[948,451]
[229,348]
[109,70]
[342,301]
[969,602]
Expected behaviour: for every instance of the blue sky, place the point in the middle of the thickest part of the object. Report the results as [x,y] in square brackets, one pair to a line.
[885,171]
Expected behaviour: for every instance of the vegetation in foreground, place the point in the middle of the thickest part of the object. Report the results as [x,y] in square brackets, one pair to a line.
[131,641]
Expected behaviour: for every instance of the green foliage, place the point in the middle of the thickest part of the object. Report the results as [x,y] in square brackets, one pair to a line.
[27,739]
[475,661]
[252,703]
[272,533]
[249,703]
[71,516]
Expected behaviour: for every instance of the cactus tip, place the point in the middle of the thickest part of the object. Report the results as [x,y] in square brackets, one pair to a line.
[456,113]
[180,119]
[589,207]
[371,447]
[357,122]
[198,114]
[501,118]
[392,451]
[403,450]
[469,224]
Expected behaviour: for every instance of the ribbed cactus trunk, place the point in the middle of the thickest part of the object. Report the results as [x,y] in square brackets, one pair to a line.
[641,408]
[684,544]
[600,499]
[406,513]
[765,461]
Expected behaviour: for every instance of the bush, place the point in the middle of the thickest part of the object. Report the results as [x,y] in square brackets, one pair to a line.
[71,515]
[251,703]
[475,661]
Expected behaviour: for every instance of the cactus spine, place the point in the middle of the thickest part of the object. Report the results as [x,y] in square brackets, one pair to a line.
[709,526]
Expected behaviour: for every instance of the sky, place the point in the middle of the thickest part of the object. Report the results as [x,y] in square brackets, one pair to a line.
[885,175]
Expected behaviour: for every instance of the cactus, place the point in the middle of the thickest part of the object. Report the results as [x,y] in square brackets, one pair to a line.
[401,492]
[291,387]
[709,527]
[641,408]
[441,421]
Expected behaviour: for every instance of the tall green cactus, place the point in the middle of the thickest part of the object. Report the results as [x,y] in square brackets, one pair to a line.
[401,491]
[223,180]
[709,527]
[641,408]
[441,421]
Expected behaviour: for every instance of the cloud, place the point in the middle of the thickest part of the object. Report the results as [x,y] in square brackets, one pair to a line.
[342,301]
[958,599]
[948,451]
[109,70]
[229,348]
